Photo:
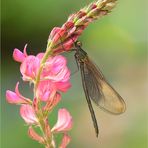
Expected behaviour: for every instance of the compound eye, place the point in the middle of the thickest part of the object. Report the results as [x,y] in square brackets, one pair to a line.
[79,43]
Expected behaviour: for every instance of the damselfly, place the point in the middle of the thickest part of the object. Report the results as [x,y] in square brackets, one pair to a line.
[96,87]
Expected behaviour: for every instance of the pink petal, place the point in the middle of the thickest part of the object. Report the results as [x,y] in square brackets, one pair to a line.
[56,70]
[40,55]
[29,68]
[28,114]
[45,90]
[59,62]
[64,122]
[19,94]
[18,55]
[16,97]
[63,86]
[13,98]
[65,141]
[62,76]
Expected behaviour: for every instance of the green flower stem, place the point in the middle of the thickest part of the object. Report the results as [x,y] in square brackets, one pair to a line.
[44,59]
[48,141]
[40,115]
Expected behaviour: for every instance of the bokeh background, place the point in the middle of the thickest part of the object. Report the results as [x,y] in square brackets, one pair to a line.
[117,43]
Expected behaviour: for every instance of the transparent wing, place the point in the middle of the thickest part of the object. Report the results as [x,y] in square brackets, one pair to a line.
[100,91]
[93,116]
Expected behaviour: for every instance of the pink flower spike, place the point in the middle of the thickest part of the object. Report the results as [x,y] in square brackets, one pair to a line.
[65,141]
[28,114]
[64,122]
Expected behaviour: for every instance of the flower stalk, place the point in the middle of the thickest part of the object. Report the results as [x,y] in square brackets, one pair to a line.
[50,76]
[73,28]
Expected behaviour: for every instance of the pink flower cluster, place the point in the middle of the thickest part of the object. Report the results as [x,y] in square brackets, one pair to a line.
[50,75]
[54,78]
[62,38]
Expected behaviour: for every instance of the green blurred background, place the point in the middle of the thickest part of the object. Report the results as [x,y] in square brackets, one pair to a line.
[117,43]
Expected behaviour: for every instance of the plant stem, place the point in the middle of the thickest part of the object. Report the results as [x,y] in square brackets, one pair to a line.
[44,59]
[40,115]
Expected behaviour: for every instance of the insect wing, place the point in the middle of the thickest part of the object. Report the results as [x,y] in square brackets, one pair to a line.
[100,91]
[88,100]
